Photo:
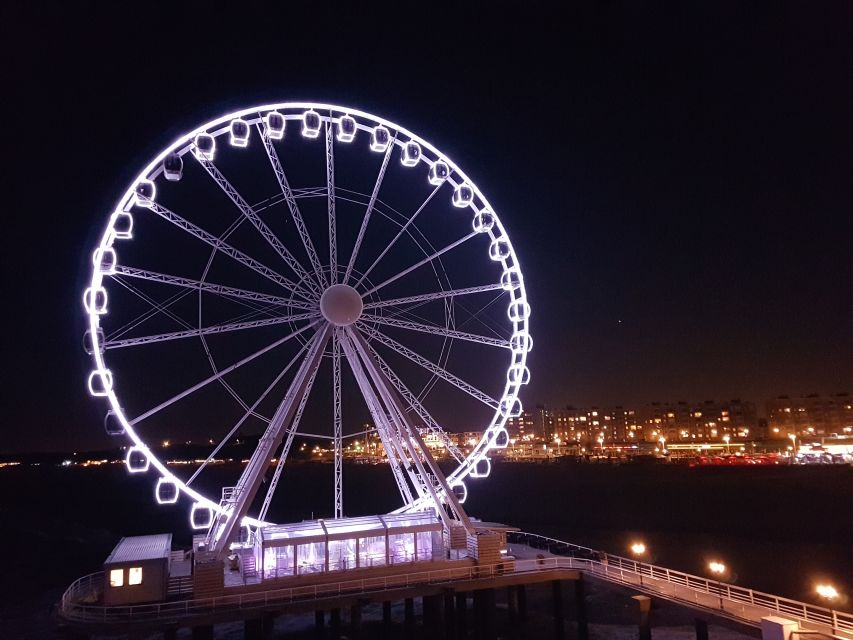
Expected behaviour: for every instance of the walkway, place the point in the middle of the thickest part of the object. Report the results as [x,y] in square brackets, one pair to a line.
[743,605]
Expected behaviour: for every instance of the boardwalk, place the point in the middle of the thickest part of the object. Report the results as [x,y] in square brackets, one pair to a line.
[744,606]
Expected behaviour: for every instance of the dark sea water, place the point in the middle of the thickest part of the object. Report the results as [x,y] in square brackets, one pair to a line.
[779,528]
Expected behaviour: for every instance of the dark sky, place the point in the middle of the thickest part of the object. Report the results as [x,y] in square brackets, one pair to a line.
[677,180]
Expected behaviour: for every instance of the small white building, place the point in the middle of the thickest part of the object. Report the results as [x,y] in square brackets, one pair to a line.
[138,570]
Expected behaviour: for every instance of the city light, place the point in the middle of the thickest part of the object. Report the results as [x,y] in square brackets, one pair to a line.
[827,591]
[717,568]
[638,548]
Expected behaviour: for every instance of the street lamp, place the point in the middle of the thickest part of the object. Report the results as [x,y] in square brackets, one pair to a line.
[718,569]
[827,591]
[793,437]
[727,438]
[638,550]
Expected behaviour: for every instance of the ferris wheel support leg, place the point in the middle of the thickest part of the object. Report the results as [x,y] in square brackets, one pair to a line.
[250,412]
[418,408]
[285,449]
[391,445]
[410,436]
[339,445]
[227,522]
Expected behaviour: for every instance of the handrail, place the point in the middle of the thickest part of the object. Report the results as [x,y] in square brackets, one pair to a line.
[74,611]
[614,566]
[597,563]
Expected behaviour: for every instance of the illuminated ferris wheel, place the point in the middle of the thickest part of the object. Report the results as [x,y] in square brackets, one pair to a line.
[256,253]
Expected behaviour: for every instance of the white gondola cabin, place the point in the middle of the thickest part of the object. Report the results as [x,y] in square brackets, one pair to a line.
[275,124]
[205,146]
[166,491]
[239,133]
[346,129]
[438,172]
[122,225]
[145,193]
[463,195]
[380,137]
[483,221]
[94,342]
[411,154]
[173,167]
[137,460]
[311,124]
[112,424]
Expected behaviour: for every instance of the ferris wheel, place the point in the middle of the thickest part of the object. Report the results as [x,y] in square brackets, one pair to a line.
[259,252]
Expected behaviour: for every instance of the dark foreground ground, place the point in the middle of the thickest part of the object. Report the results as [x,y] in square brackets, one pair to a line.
[780,529]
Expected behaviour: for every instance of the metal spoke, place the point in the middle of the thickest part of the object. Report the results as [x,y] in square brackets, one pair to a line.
[218,375]
[254,218]
[436,330]
[330,187]
[186,324]
[286,191]
[205,331]
[437,295]
[211,287]
[228,250]
[416,406]
[397,237]
[429,258]
[156,308]
[418,359]
[369,210]
[249,412]
[285,448]
[336,409]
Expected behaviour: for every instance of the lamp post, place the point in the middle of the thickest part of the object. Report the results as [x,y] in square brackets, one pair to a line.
[793,437]
[718,569]
[727,438]
[638,550]
[827,591]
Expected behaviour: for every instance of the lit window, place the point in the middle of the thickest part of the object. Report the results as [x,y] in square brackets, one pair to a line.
[134,575]
[117,578]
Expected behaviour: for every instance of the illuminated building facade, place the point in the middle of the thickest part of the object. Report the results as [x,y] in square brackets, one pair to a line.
[810,415]
[707,421]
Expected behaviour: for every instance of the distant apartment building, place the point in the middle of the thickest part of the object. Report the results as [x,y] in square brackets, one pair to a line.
[707,421]
[810,415]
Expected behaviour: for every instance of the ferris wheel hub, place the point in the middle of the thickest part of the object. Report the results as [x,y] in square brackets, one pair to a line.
[341,305]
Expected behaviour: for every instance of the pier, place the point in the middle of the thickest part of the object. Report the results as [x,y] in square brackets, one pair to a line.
[445,594]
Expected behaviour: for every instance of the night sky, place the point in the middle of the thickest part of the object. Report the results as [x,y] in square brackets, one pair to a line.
[677,181]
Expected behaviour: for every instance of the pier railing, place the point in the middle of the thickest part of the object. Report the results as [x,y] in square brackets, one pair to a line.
[746,605]
[730,599]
